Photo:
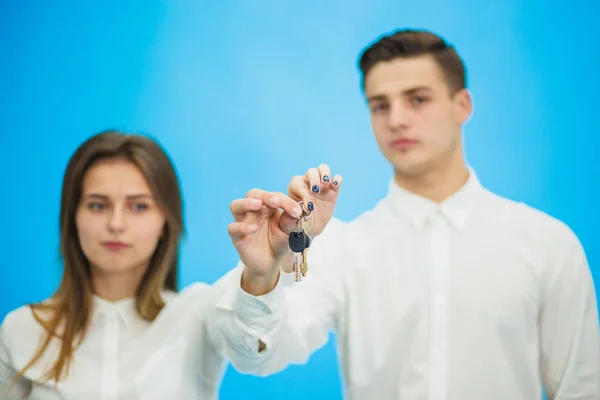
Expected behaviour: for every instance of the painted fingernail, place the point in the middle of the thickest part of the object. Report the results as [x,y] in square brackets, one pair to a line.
[315,188]
[325,178]
[335,183]
[310,206]
[297,212]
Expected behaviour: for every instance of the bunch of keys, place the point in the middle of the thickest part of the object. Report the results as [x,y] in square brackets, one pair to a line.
[299,244]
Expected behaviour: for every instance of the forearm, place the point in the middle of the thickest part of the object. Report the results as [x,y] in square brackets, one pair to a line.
[266,323]
[261,335]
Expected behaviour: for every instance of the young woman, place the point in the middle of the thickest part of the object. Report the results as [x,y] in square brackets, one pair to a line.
[116,328]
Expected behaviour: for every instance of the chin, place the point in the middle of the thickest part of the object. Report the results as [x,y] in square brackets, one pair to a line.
[408,172]
[409,165]
[117,268]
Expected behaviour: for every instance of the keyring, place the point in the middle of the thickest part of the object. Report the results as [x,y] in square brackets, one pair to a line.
[306,213]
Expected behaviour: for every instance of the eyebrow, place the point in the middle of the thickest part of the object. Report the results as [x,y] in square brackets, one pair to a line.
[130,197]
[407,92]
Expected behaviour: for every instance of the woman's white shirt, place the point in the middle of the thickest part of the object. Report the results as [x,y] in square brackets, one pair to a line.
[122,356]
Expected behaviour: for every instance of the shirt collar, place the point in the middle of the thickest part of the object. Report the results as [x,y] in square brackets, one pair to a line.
[417,210]
[124,310]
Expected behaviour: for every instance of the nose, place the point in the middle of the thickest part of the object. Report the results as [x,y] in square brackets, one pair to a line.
[116,222]
[399,118]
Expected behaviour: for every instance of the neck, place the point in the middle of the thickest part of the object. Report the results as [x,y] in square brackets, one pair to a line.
[436,184]
[116,286]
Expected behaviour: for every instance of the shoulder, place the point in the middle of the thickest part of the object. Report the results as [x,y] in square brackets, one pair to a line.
[331,240]
[17,321]
[341,235]
[535,218]
[536,226]
[190,297]
[20,333]
[192,291]
[380,213]
[334,228]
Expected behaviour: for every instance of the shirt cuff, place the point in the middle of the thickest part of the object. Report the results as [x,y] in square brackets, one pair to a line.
[248,306]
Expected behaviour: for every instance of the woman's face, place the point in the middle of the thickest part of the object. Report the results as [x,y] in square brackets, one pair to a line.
[118,222]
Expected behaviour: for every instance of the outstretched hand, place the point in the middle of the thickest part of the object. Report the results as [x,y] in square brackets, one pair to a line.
[264,220]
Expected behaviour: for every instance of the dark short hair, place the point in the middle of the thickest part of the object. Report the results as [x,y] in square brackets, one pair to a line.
[407,43]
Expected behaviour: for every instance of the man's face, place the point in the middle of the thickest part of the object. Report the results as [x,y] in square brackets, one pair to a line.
[416,121]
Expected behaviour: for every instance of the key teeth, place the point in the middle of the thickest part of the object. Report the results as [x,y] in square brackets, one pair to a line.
[296,270]
[303,269]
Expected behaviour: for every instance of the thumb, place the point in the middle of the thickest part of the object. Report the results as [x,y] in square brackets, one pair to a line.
[287,223]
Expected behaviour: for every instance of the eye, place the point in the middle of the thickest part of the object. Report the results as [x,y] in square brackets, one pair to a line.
[377,107]
[95,206]
[137,207]
[418,100]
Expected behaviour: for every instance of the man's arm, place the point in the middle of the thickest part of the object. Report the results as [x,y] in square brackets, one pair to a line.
[262,334]
[569,331]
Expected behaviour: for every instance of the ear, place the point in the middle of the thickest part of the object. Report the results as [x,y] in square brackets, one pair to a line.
[463,105]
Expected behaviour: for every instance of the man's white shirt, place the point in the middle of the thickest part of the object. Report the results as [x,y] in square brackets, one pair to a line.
[479,297]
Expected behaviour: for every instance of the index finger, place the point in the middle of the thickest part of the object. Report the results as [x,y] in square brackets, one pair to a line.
[276,200]
[289,205]
[242,206]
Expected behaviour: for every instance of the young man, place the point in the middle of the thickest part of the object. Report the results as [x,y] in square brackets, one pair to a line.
[444,290]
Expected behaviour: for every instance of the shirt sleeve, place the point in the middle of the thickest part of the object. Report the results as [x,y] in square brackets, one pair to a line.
[569,331]
[293,320]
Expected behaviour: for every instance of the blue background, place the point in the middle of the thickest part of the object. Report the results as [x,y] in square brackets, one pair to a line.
[247,94]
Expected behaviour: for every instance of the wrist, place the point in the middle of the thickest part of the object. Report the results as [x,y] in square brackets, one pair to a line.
[258,284]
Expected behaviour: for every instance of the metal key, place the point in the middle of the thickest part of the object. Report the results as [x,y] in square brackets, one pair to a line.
[299,241]
[304,265]
[298,244]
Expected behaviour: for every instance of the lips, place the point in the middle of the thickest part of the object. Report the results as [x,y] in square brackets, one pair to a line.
[403,143]
[115,245]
